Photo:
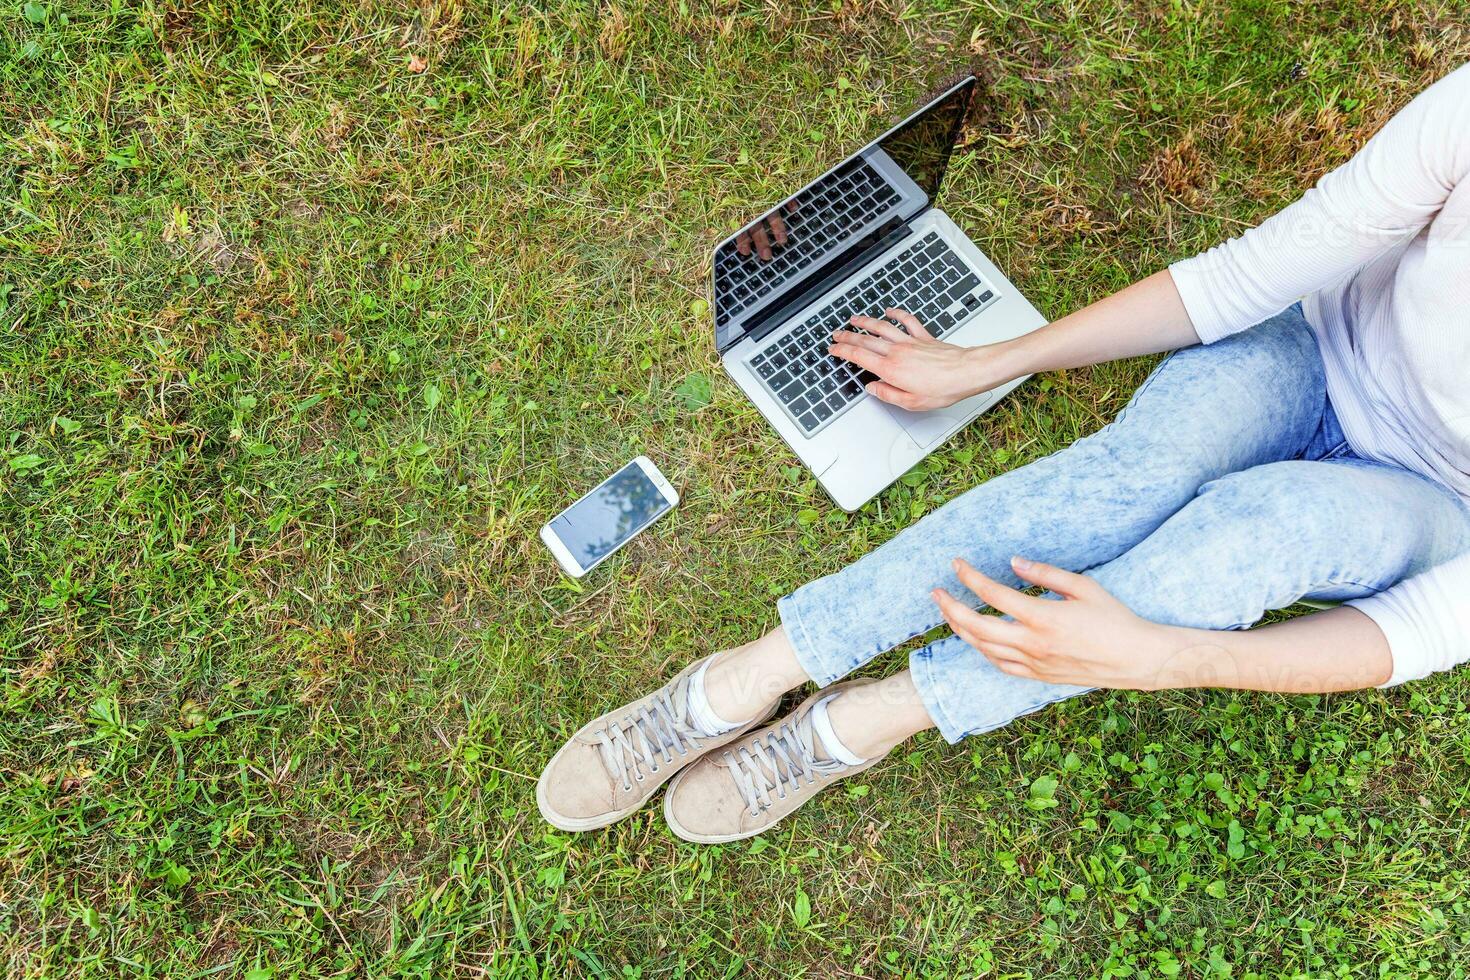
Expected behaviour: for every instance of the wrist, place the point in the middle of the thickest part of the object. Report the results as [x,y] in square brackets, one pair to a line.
[1190,658]
[992,365]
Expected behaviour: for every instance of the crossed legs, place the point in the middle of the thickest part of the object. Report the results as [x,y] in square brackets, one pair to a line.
[1204,413]
[1224,490]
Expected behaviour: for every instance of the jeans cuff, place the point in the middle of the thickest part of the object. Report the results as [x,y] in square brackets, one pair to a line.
[984,705]
[801,644]
[930,687]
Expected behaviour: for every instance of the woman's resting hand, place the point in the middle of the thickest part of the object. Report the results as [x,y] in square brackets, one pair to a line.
[1089,638]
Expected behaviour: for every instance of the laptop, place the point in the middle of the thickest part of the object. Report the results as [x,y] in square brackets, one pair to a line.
[862,237]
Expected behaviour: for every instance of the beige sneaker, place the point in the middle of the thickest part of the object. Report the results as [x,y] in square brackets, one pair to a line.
[612,765]
[757,781]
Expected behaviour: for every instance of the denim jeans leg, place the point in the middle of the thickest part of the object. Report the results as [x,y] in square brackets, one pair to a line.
[1249,542]
[1205,412]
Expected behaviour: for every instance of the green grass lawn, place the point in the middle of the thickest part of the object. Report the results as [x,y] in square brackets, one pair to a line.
[311,314]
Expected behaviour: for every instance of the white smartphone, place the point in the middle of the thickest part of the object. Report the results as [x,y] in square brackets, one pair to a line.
[609,516]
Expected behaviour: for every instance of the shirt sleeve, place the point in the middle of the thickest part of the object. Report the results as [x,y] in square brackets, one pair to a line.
[1383,196]
[1426,620]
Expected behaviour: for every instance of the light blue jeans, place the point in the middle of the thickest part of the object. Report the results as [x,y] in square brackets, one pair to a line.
[1224,489]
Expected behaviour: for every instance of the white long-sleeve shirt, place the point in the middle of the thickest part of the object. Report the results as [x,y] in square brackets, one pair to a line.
[1379,253]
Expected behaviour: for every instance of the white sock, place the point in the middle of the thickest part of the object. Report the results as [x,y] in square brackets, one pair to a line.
[823,724]
[700,712]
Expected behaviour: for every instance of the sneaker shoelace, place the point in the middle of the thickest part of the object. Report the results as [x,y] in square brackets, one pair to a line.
[778,761]
[654,732]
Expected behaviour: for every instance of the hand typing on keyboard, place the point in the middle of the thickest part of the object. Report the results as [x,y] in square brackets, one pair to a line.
[816,382]
[915,371]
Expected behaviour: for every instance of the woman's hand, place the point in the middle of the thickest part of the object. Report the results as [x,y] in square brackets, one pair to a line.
[918,372]
[1089,638]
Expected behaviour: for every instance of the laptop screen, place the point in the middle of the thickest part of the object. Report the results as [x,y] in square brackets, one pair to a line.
[798,246]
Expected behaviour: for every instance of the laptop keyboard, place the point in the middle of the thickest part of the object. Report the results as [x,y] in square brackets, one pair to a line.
[827,214]
[927,279]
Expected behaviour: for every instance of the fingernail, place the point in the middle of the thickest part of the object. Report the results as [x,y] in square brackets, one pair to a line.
[1021,564]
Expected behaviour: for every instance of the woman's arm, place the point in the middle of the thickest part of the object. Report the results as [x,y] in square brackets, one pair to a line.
[919,372]
[1092,639]
[1335,650]
[1144,318]
[1418,627]
[1391,189]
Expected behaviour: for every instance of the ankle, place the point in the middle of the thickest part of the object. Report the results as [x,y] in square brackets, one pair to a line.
[742,681]
[863,737]
[874,720]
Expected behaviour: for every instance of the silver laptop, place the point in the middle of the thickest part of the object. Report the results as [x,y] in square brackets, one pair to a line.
[862,237]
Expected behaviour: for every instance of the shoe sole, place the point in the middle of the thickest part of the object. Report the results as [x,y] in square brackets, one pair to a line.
[581,825]
[684,833]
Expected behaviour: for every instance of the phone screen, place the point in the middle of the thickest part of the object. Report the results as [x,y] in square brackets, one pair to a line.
[602,521]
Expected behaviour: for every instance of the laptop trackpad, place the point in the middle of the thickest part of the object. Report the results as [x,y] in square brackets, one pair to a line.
[930,428]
